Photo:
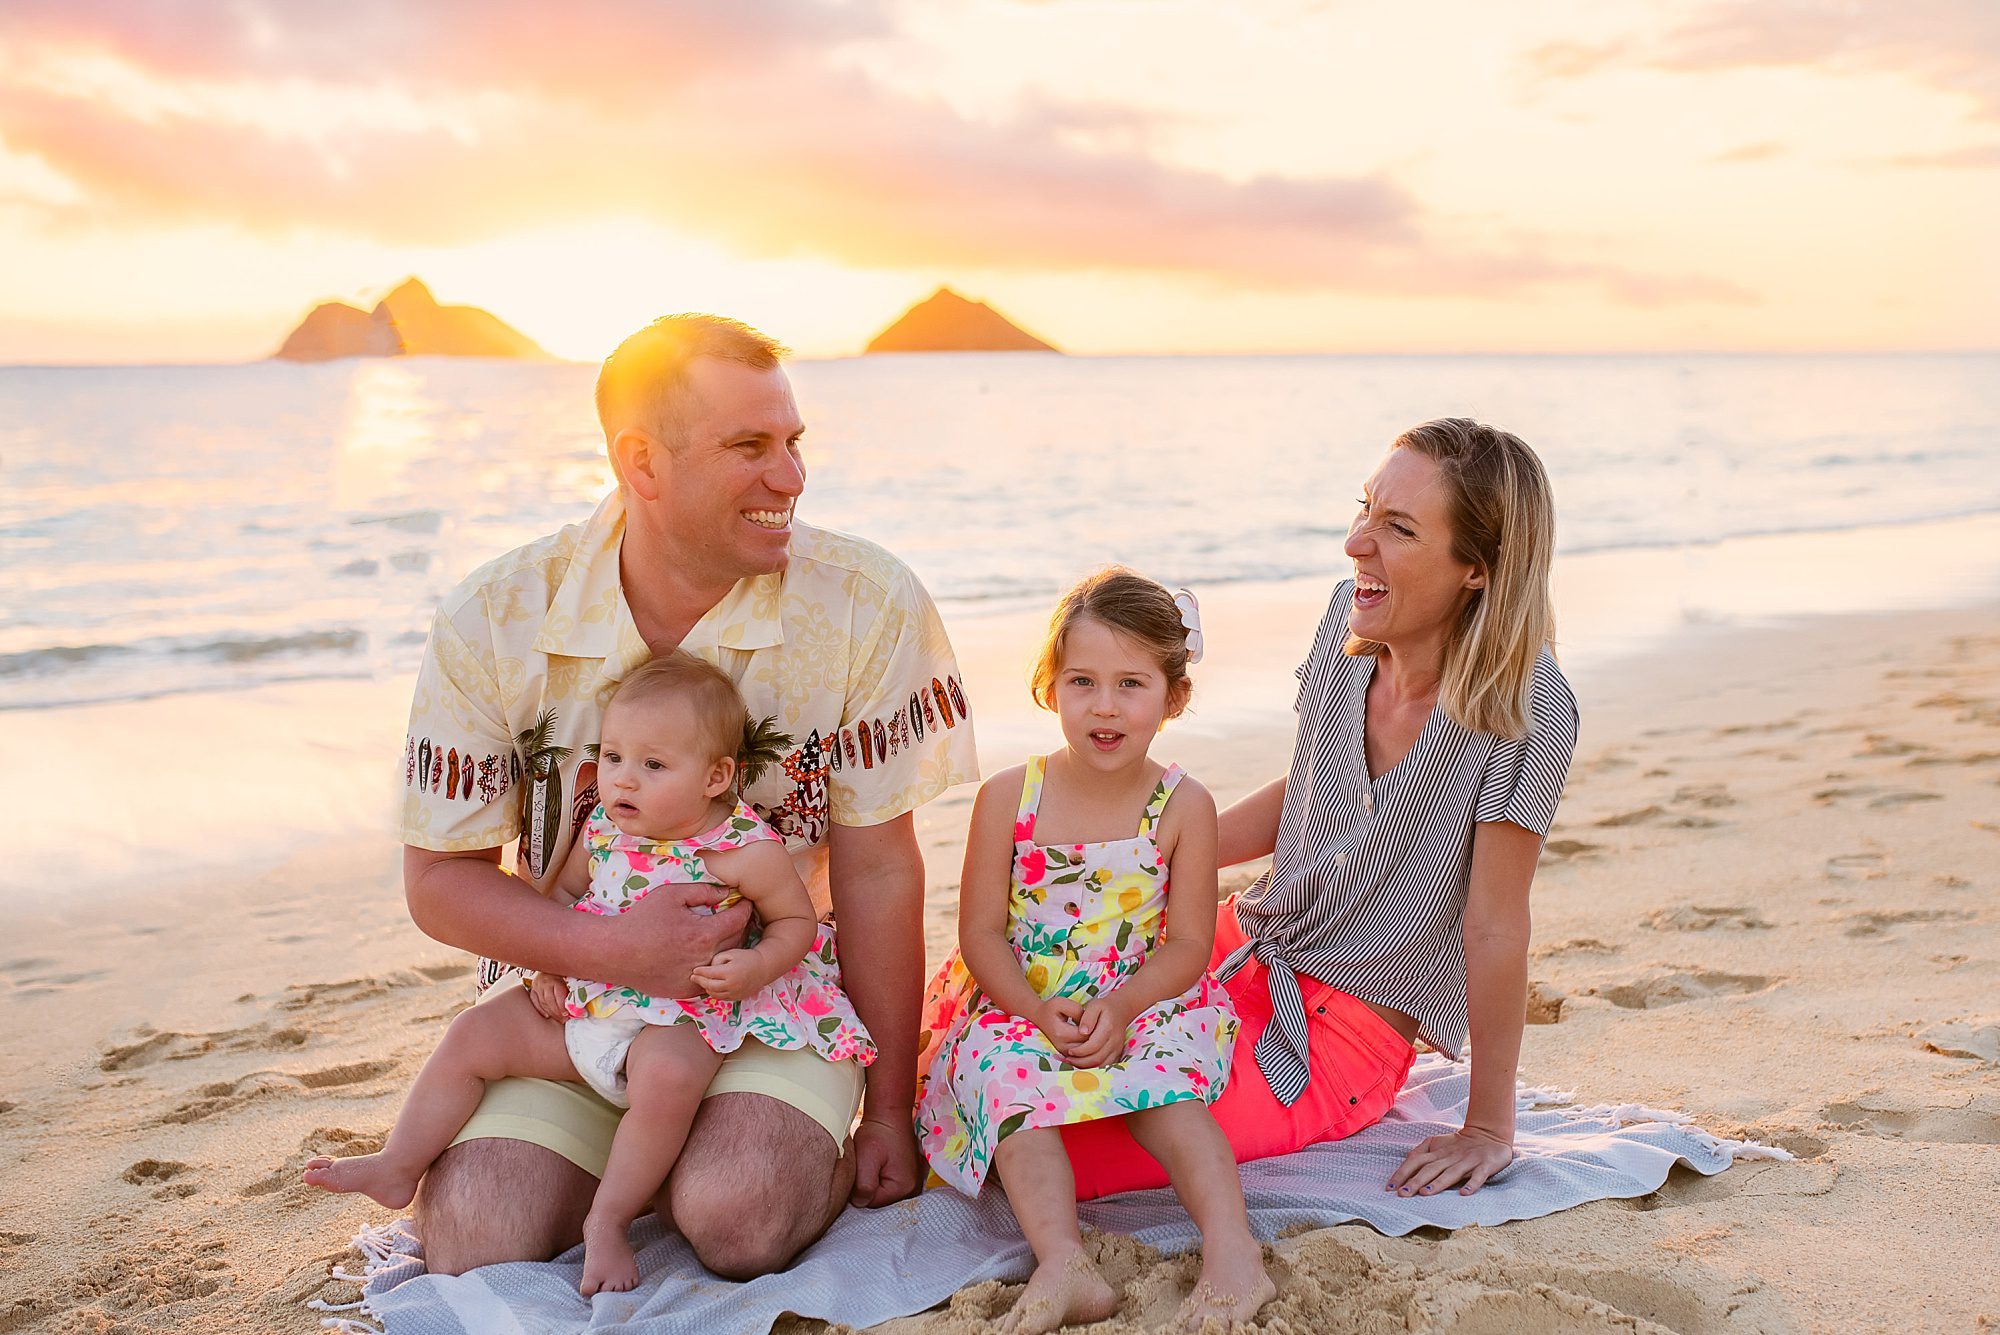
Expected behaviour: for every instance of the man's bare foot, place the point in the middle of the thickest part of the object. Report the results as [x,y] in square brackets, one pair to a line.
[370,1174]
[608,1263]
[1063,1291]
[1233,1287]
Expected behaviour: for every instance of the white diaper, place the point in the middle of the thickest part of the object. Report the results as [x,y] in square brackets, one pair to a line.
[597,1048]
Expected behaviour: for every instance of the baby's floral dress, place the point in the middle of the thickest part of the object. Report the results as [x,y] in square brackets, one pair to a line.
[1082,918]
[804,1008]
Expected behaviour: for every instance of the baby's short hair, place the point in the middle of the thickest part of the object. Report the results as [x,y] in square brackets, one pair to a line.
[720,715]
[1131,604]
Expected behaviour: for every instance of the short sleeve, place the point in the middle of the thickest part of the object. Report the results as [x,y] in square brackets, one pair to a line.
[906,726]
[458,760]
[1523,779]
[1329,638]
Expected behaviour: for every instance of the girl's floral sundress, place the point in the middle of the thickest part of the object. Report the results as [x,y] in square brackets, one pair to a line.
[1082,918]
[804,1008]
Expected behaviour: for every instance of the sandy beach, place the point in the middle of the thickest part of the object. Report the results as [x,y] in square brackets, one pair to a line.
[1768,902]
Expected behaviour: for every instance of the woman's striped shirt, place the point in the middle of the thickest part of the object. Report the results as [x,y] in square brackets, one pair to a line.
[1367,889]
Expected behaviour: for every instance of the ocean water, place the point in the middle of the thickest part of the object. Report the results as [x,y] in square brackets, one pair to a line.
[173,529]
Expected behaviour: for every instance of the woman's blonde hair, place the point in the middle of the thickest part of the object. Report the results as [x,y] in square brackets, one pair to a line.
[1503,524]
[1131,604]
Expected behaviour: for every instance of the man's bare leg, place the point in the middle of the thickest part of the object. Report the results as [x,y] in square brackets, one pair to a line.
[487,1201]
[757,1183]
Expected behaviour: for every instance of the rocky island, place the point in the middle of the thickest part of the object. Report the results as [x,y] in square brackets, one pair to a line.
[408,322]
[947,322]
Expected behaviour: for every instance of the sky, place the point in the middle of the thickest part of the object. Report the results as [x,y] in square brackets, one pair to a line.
[182,181]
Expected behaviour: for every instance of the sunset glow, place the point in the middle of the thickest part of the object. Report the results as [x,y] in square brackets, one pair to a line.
[1164,176]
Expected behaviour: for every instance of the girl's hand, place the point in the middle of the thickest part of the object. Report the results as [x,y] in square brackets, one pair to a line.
[550,993]
[1057,1019]
[1104,1025]
[734,975]
[1469,1155]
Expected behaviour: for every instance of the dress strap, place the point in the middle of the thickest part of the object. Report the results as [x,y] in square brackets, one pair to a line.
[741,826]
[1157,804]
[1031,798]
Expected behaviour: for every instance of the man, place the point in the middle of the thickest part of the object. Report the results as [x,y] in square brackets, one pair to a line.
[829,636]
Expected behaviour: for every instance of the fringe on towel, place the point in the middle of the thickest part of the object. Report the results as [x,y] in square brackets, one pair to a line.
[1626,1114]
[378,1245]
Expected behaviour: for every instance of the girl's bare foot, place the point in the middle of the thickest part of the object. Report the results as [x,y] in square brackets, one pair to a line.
[1063,1291]
[1233,1287]
[608,1263]
[370,1174]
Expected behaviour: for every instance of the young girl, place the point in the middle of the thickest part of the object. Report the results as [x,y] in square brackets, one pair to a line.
[674,742]
[1078,988]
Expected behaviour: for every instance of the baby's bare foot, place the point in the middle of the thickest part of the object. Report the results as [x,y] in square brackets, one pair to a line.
[1063,1291]
[370,1174]
[608,1263]
[1233,1288]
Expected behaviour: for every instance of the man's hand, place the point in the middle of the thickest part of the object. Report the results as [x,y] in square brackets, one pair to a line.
[1469,1155]
[1102,1031]
[734,975]
[886,1165]
[1058,1019]
[658,942]
[550,993]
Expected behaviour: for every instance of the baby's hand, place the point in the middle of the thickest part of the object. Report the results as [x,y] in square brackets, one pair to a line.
[734,975]
[550,993]
[1104,1025]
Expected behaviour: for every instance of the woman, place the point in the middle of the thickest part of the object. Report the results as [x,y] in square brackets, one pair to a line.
[1434,734]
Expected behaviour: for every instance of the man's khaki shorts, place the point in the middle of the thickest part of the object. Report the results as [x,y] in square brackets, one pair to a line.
[576,1123]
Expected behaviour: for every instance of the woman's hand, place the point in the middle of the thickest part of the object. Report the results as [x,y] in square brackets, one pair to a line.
[1103,1027]
[1468,1155]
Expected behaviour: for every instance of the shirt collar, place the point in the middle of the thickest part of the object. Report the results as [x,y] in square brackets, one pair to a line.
[589,617]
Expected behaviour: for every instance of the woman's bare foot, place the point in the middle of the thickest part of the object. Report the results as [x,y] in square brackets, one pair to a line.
[1063,1291]
[1233,1287]
[608,1263]
[370,1174]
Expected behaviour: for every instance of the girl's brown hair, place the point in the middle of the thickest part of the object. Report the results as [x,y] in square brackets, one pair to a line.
[1131,604]
[1503,523]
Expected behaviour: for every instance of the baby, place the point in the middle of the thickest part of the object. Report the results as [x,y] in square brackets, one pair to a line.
[676,741]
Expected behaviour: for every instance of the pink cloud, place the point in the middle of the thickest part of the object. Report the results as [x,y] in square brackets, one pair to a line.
[1952,45]
[730,121]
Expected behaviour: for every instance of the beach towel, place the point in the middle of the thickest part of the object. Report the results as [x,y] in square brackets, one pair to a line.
[877,1264]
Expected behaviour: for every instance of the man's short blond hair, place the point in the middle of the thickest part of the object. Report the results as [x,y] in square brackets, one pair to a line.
[644,381]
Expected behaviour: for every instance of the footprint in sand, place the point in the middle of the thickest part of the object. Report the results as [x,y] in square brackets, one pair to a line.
[1965,758]
[1545,1003]
[333,1140]
[1562,850]
[1575,945]
[1682,985]
[1971,1040]
[149,1046]
[1875,745]
[1857,867]
[1703,795]
[1875,922]
[1624,818]
[227,1095]
[1929,1126]
[1891,801]
[1700,918]
[164,1177]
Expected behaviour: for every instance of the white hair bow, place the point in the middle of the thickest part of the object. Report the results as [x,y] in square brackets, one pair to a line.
[1190,622]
